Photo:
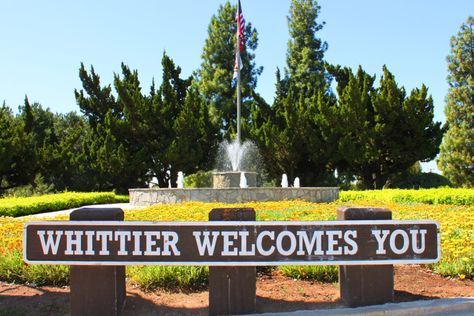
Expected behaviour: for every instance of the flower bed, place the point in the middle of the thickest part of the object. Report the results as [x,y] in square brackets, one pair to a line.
[457,240]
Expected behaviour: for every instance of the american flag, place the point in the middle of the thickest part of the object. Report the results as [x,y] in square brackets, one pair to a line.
[237,66]
[239,18]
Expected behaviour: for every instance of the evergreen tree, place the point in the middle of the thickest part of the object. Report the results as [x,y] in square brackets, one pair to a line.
[290,138]
[59,148]
[115,155]
[194,144]
[39,124]
[305,56]
[348,123]
[95,101]
[68,165]
[180,133]
[137,136]
[456,159]
[15,151]
[214,78]
[378,132]
[27,115]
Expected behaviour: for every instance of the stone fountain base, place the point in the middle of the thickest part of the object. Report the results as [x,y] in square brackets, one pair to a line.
[231,179]
[148,197]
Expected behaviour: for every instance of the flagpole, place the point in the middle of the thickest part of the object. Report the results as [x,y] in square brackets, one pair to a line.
[239,96]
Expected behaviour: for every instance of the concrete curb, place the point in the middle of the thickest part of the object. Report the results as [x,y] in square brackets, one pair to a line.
[448,306]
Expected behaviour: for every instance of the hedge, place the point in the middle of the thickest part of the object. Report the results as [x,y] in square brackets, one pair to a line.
[21,206]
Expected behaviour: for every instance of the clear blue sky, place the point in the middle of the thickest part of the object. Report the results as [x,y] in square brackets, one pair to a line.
[44,42]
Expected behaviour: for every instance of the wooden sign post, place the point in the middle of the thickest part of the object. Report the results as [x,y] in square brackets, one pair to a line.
[363,285]
[96,290]
[232,290]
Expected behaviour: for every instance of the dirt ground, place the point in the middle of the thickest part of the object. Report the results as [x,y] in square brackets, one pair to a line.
[275,293]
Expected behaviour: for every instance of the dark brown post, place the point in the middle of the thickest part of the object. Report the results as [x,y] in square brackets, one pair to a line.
[232,290]
[365,285]
[97,290]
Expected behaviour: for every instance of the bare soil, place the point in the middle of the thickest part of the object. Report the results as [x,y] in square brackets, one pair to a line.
[275,293]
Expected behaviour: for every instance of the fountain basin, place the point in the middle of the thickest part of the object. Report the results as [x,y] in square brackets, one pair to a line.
[231,179]
[148,197]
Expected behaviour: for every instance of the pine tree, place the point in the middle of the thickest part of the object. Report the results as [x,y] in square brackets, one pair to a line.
[114,149]
[349,122]
[214,78]
[456,159]
[180,135]
[137,136]
[15,151]
[39,125]
[55,149]
[95,101]
[67,166]
[290,139]
[378,132]
[27,115]
[194,144]
[305,56]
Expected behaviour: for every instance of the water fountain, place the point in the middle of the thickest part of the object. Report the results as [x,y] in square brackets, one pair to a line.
[235,180]
[233,185]
[233,159]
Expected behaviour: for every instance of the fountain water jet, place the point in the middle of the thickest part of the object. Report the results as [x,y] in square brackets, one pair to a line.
[243,180]
[233,156]
[284,181]
[234,152]
[180,180]
[232,160]
[296,183]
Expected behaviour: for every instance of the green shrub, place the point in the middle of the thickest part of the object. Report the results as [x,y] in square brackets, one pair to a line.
[461,268]
[169,277]
[21,206]
[200,179]
[13,269]
[419,181]
[38,187]
[328,274]
[427,196]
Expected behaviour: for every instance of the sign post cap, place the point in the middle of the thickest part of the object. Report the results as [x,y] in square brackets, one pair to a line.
[97,214]
[363,213]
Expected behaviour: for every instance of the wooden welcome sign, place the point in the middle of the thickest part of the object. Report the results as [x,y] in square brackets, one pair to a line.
[232,243]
